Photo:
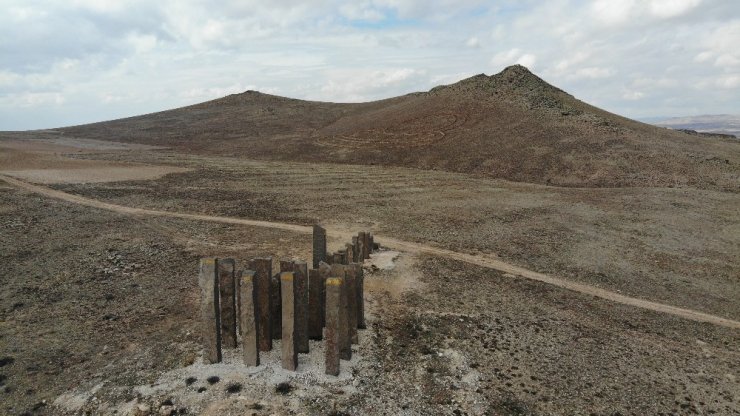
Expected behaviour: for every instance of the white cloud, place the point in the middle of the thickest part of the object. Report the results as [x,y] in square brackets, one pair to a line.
[731,81]
[506,58]
[473,42]
[355,85]
[672,8]
[612,12]
[594,72]
[527,60]
[87,60]
[633,95]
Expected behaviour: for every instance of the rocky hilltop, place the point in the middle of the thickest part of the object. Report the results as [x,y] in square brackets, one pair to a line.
[512,125]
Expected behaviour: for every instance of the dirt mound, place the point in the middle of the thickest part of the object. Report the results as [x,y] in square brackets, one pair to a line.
[511,125]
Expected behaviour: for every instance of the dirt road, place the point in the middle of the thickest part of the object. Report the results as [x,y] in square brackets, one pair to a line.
[479,260]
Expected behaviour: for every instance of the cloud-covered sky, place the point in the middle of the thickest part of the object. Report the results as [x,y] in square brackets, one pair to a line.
[77,61]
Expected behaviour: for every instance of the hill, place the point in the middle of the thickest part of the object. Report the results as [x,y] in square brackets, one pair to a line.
[719,123]
[512,125]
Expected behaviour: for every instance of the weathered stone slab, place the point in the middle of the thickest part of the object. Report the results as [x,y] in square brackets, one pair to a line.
[348,253]
[351,293]
[319,245]
[227,301]
[263,299]
[301,306]
[333,312]
[325,272]
[315,304]
[366,245]
[360,287]
[355,249]
[361,241]
[338,258]
[345,341]
[277,320]
[289,353]
[276,310]
[248,318]
[209,310]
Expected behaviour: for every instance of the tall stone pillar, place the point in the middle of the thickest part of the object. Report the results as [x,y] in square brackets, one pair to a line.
[355,249]
[319,245]
[301,306]
[277,320]
[276,310]
[350,288]
[315,304]
[325,272]
[227,301]
[345,341]
[289,354]
[209,310]
[248,319]
[263,283]
[366,244]
[332,334]
[360,287]
[348,253]
[361,241]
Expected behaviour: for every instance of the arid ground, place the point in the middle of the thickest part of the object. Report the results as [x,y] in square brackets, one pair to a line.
[98,303]
[493,293]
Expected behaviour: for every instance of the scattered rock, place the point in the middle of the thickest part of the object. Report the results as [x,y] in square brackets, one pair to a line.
[283,388]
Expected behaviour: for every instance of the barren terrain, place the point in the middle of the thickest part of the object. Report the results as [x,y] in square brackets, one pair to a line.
[498,291]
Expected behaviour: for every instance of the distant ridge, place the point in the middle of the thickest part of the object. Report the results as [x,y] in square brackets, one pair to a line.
[723,124]
[511,125]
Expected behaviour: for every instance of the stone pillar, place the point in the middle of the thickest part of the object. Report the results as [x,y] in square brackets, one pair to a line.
[348,253]
[368,249]
[315,304]
[227,300]
[361,246]
[325,272]
[248,319]
[360,287]
[319,245]
[277,320]
[371,243]
[333,312]
[350,288]
[209,308]
[338,258]
[289,355]
[355,249]
[263,283]
[345,341]
[301,306]
[276,310]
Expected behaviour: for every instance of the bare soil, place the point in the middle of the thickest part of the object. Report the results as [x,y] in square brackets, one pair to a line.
[40,159]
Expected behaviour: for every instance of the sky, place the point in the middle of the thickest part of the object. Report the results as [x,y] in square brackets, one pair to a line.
[68,62]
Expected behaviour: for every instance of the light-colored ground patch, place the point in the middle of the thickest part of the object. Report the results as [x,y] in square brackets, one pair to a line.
[257,383]
[384,260]
[48,161]
[94,174]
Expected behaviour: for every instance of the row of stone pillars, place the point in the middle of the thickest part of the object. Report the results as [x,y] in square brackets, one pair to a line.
[294,305]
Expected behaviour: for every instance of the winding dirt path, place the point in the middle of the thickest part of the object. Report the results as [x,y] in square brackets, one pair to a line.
[478,260]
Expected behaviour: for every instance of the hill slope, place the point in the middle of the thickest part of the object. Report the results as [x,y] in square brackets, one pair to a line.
[511,125]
